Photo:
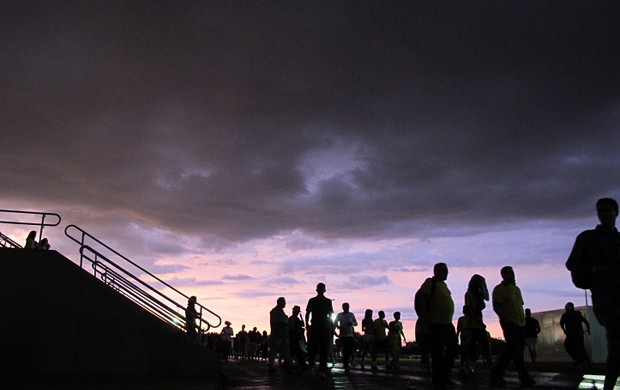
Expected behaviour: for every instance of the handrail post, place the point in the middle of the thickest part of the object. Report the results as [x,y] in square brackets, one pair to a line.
[41,230]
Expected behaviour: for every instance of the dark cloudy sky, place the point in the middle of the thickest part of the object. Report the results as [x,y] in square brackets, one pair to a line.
[248,149]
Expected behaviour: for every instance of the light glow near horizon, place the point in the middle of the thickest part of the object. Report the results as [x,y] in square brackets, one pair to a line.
[241,283]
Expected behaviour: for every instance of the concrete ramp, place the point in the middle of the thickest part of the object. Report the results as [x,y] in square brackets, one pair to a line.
[57,319]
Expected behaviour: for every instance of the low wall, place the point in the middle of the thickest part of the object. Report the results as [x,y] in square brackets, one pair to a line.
[551,338]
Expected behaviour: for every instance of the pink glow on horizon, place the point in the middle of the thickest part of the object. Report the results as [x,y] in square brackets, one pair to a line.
[242,283]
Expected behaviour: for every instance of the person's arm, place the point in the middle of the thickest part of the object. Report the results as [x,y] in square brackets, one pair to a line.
[563,323]
[497,308]
[538,330]
[337,324]
[301,319]
[497,302]
[403,333]
[308,309]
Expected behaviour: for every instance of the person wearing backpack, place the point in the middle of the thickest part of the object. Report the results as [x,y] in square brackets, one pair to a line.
[594,263]
[434,305]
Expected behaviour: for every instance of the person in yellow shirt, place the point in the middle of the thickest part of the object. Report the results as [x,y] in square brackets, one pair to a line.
[381,341]
[508,305]
[442,335]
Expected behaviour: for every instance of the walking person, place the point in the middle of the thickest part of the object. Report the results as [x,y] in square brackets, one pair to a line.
[278,340]
[395,339]
[296,337]
[571,323]
[345,322]
[532,329]
[368,337]
[594,263]
[243,339]
[434,302]
[508,304]
[475,337]
[381,341]
[191,314]
[320,327]
[227,340]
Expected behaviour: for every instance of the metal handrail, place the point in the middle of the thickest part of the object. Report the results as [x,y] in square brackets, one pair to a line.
[6,241]
[133,291]
[81,241]
[41,224]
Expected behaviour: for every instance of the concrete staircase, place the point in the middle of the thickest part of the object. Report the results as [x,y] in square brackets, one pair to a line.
[58,320]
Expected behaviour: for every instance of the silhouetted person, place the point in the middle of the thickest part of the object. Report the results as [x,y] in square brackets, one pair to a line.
[320,328]
[423,341]
[190,318]
[253,343]
[242,340]
[464,336]
[278,340]
[475,334]
[368,337]
[227,334]
[594,263]
[508,304]
[572,324]
[30,240]
[44,244]
[532,329]
[264,345]
[381,340]
[296,336]
[345,321]
[442,335]
[395,340]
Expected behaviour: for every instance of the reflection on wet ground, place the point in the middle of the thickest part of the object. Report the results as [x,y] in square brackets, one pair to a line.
[253,375]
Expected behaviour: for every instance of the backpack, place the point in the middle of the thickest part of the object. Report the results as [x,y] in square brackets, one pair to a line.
[422,301]
[586,253]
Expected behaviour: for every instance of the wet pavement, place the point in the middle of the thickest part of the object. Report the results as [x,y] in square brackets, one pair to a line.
[253,375]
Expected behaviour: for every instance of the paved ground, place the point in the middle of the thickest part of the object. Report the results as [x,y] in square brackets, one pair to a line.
[253,375]
[249,375]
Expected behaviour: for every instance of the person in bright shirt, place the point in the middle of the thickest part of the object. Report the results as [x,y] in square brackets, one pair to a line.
[508,304]
[442,335]
[395,331]
[381,341]
[345,321]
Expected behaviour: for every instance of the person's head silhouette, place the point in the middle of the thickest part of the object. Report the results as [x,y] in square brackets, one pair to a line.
[440,271]
[320,288]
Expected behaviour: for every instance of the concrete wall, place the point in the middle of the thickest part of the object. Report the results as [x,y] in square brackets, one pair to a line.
[59,320]
[551,338]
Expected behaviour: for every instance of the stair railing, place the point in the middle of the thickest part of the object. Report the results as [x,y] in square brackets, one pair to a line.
[139,292]
[133,287]
[41,224]
[7,242]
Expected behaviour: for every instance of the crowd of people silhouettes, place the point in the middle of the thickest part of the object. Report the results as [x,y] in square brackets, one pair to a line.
[593,263]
